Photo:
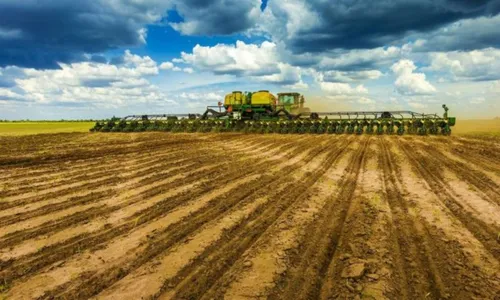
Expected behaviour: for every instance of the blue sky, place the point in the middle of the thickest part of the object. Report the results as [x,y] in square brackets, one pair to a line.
[99,58]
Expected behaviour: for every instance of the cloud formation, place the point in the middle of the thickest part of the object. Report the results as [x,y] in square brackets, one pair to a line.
[466,35]
[89,83]
[319,26]
[336,88]
[216,17]
[40,34]
[476,65]
[260,62]
[408,82]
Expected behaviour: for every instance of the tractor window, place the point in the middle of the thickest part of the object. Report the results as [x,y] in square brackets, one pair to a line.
[286,99]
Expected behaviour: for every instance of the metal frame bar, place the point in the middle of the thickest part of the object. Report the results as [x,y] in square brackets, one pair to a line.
[356,115]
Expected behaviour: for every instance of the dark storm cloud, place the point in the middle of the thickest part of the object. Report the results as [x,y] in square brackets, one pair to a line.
[216,17]
[352,24]
[465,35]
[41,33]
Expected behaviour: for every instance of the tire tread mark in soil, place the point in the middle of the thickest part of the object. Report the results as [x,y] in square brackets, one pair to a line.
[304,280]
[83,288]
[486,234]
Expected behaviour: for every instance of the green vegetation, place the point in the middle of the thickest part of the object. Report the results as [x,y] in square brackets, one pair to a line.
[31,127]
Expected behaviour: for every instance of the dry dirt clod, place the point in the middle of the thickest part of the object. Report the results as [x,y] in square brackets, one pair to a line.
[247,264]
[345,256]
[373,276]
[354,271]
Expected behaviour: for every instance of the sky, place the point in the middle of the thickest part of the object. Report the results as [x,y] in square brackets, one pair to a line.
[92,59]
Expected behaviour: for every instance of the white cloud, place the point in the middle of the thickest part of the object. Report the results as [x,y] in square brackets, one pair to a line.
[287,74]
[166,65]
[198,101]
[297,86]
[259,62]
[142,64]
[409,83]
[350,76]
[362,58]
[287,18]
[188,70]
[176,69]
[6,94]
[464,66]
[239,59]
[92,83]
[206,97]
[337,88]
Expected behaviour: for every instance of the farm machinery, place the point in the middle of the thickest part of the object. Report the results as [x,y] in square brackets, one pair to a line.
[263,112]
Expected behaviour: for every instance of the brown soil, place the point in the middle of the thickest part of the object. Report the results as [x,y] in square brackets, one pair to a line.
[235,216]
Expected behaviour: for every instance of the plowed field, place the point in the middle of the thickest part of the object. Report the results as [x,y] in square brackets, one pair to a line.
[234,216]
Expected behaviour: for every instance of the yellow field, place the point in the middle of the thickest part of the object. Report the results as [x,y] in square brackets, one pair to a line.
[477,127]
[24,128]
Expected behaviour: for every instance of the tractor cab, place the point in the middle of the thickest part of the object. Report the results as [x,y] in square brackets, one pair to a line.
[292,102]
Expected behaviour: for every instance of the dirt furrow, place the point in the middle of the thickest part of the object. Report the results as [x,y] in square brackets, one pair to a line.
[122,208]
[144,170]
[174,234]
[101,171]
[208,268]
[262,262]
[78,153]
[305,277]
[420,276]
[62,167]
[30,210]
[102,210]
[71,183]
[199,154]
[428,169]
[467,173]
[175,215]
[175,173]
[55,252]
[465,267]
[359,266]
